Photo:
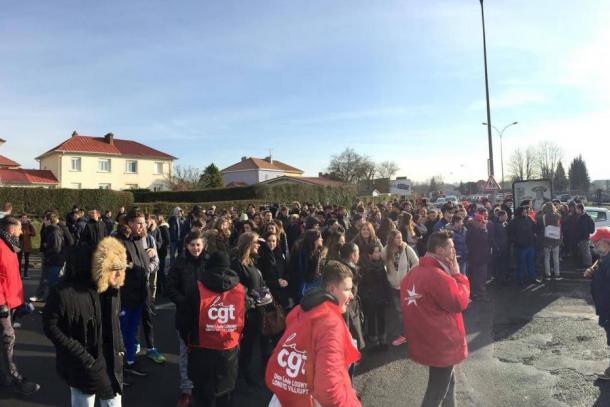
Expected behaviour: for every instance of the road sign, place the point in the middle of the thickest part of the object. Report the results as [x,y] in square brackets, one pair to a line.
[491,185]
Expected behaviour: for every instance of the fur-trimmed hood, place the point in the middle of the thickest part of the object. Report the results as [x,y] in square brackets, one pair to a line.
[109,256]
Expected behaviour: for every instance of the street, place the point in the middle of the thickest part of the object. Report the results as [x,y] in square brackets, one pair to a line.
[536,346]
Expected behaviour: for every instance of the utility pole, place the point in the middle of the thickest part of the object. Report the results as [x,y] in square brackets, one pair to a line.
[489,140]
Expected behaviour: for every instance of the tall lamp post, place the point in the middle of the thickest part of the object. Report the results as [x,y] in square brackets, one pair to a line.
[491,154]
[500,133]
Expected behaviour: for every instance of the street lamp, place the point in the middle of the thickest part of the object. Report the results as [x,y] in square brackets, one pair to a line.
[500,133]
[491,154]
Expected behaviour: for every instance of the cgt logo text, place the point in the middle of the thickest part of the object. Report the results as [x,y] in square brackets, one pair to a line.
[219,311]
[291,359]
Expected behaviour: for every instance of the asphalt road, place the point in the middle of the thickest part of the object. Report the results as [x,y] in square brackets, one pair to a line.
[537,346]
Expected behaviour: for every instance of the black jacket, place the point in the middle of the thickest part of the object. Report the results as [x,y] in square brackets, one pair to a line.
[521,232]
[176,226]
[135,290]
[72,320]
[165,237]
[109,223]
[53,246]
[600,291]
[374,288]
[181,289]
[354,315]
[584,227]
[94,232]
[272,265]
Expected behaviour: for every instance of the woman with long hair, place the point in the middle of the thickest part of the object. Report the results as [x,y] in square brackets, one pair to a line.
[386,226]
[365,237]
[305,263]
[244,264]
[399,258]
[277,227]
[549,222]
[406,226]
[333,244]
[272,263]
[223,235]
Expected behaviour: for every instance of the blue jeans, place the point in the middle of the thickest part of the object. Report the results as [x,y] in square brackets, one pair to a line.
[174,251]
[129,319]
[80,399]
[525,262]
[53,274]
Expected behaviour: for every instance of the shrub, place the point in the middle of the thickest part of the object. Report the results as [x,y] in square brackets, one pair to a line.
[37,200]
[277,193]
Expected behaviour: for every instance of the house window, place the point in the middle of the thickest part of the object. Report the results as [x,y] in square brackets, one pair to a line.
[103,186]
[103,165]
[132,186]
[75,164]
[75,185]
[158,168]
[131,166]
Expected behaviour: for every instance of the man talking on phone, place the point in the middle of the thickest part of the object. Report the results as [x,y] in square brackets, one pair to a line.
[433,296]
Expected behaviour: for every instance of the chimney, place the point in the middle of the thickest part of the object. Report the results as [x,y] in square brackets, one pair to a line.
[109,138]
[244,158]
[269,159]
[74,133]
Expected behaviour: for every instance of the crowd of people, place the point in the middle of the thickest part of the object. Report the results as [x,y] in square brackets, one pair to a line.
[308,287]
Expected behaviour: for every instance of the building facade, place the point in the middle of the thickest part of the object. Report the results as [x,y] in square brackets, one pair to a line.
[252,170]
[85,162]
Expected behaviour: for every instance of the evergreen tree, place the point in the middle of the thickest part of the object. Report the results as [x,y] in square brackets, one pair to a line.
[560,181]
[579,176]
[211,177]
[433,186]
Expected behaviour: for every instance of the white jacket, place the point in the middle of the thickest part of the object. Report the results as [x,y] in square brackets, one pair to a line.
[408,259]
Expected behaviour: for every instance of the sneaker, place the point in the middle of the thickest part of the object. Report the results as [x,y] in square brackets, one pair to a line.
[25,387]
[399,341]
[184,400]
[17,325]
[154,355]
[138,348]
[36,299]
[30,307]
[134,370]
[605,375]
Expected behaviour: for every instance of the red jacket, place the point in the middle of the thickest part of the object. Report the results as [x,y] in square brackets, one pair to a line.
[432,303]
[311,359]
[11,288]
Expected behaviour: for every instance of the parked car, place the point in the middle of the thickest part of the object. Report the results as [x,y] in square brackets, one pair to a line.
[601,216]
[451,198]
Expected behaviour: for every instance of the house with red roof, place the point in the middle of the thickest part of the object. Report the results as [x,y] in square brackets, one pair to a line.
[250,170]
[107,163]
[12,175]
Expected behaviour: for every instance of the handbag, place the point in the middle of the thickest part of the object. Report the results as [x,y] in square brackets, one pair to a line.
[550,231]
[274,319]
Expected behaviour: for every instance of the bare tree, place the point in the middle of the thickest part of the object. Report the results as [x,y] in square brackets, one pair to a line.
[548,155]
[387,169]
[346,166]
[366,170]
[184,178]
[521,164]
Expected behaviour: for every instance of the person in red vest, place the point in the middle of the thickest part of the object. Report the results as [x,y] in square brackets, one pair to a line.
[309,365]
[433,296]
[217,311]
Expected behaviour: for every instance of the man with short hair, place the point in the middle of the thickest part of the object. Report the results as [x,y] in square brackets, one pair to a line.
[319,347]
[433,296]
[445,220]
[95,230]
[584,226]
[11,297]
[7,210]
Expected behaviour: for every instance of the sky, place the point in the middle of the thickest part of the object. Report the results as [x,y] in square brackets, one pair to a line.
[395,80]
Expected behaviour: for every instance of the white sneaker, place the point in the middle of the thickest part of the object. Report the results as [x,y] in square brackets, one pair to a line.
[17,325]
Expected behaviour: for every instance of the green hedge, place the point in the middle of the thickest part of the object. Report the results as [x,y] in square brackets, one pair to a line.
[36,201]
[166,208]
[277,193]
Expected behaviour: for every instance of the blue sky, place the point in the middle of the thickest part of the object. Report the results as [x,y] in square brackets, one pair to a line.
[395,80]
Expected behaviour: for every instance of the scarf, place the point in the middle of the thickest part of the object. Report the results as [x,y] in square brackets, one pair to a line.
[11,241]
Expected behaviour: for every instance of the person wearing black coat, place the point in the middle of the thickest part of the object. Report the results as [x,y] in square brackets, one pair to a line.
[479,254]
[583,227]
[272,263]
[176,227]
[181,289]
[521,234]
[375,295]
[243,263]
[81,318]
[95,230]
[162,251]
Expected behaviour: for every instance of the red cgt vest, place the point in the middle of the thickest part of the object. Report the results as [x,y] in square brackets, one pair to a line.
[221,317]
[290,370]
